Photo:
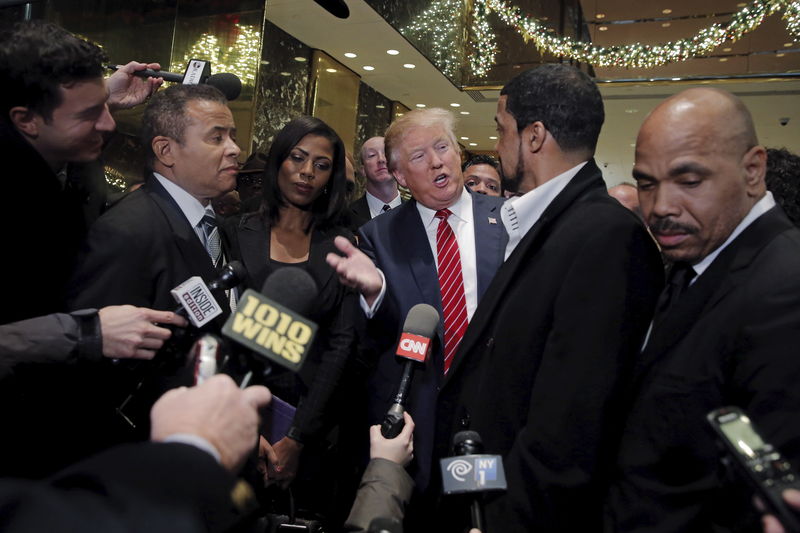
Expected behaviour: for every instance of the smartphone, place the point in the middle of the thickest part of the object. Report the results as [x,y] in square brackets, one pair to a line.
[764,468]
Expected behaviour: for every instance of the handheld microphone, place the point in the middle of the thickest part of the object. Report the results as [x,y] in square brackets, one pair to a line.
[197,72]
[473,472]
[414,345]
[272,323]
[206,357]
[385,525]
[197,303]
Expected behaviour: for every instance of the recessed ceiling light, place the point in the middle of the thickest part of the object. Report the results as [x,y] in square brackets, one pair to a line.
[409,65]
[517,66]
[666,24]
[600,16]
[464,112]
[455,105]
[741,4]
[264,62]
[780,55]
[728,49]
[787,45]
[493,137]
[633,145]
[473,144]
[300,59]
[551,30]
[420,105]
[284,74]
[351,55]
[367,67]
[331,70]
[631,111]
[380,106]
[723,59]
[464,138]
[400,114]
[603,28]
[666,11]
[392,52]
[545,18]
[676,79]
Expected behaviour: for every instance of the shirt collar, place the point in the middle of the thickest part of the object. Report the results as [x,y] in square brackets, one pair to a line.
[762,206]
[376,204]
[190,206]
[461,209]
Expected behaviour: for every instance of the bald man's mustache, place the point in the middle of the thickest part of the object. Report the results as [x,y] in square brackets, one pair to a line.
[668,225]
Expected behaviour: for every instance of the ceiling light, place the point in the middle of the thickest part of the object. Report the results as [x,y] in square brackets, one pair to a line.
[603,28]
[630,111]
[300,59]
[455,105]
[723,59]
[367,67]
[517,66]
[464,112]
[420,105]
[284,74]
[666,11]
[666,24]
[633,145]
[473,144]
[741,4]
[464,138]
[264,62]
[493,137]
[780,55]
[545,18]
[676,79]
[380,106]
[551,30]
[600,16]
[728,49]
[392,52]
[331,70]
[787,45]
[351,55]
[400,114]
[409,65]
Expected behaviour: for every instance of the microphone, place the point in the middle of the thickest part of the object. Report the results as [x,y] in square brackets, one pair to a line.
[414,345]
[385,525]
[272,323]
[197,72]
[206,357]
[197,303]
[470,471]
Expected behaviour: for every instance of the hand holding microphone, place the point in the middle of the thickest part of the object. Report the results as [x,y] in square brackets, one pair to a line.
[399,449]
[130,332]
[127,88]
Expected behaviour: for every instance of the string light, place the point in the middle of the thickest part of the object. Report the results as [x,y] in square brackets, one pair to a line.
[240,59]
[635,55]
[440,22]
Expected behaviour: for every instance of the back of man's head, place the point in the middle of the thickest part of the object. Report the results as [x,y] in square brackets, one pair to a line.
[36,59]
[165,115]
[562,98]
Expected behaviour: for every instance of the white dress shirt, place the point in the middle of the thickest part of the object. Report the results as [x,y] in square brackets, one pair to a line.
[376,204]
[190,206]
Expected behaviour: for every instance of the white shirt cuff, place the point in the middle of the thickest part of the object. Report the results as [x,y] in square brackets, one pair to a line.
[196,441]
[370,311]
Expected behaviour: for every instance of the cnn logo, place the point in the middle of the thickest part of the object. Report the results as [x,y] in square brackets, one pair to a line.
[413,347]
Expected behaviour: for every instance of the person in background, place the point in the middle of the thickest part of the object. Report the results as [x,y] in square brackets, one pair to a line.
[482,175]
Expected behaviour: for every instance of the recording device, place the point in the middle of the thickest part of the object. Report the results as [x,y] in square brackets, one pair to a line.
[206,358]
[197,72]
[762,466]
[414,346]
[470,471]
[275,327]
[385,525]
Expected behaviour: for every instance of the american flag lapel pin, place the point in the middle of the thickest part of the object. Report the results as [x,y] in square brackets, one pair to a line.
[492,220]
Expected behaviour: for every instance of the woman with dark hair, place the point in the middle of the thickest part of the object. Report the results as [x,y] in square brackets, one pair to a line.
[304,193]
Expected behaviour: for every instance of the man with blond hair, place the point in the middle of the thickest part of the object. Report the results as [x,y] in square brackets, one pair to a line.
[442,249]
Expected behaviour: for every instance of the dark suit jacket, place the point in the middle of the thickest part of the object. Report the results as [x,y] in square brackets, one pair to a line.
[732,339]
[334,312]
[359,213]
[541,369]
[398,244]
[144,487]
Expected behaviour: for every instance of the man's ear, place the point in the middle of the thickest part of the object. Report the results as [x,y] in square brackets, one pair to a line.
[163,149]
[25,120]
[533,136]
[754,165]
[399,177]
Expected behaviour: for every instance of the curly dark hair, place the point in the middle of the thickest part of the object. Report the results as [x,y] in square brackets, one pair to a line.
[563,98]
[783,179]
[482,159]
[36,59]
[327,209]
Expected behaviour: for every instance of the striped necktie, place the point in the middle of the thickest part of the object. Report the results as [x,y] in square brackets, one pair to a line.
[451,284]
[211,233]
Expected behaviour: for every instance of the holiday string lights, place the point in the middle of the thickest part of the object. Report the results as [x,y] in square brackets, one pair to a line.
[440,22]
[241,58]
[635,55]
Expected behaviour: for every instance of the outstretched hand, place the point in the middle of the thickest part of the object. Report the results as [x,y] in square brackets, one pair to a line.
[355,269]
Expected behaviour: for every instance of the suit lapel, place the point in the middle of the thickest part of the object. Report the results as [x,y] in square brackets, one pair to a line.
[253,237]
[724,274]
[587,179]
[490,240]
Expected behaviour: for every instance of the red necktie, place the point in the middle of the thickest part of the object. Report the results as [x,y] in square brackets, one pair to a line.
[451,283]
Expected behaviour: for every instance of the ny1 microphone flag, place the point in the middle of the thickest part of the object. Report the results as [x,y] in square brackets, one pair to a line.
[472,473]
[271,329]
[196,298]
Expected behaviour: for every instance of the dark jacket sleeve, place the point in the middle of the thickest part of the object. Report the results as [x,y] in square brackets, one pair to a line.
[143,487]
[56,338]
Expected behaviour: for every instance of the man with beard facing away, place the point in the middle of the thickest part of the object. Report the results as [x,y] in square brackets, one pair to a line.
[542,370]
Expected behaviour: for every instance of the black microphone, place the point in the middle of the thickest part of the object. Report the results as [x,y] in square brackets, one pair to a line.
[229,84]
[472,472]
[414,345]
[385,525]
[273,323]
[197,304]
[206,358]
